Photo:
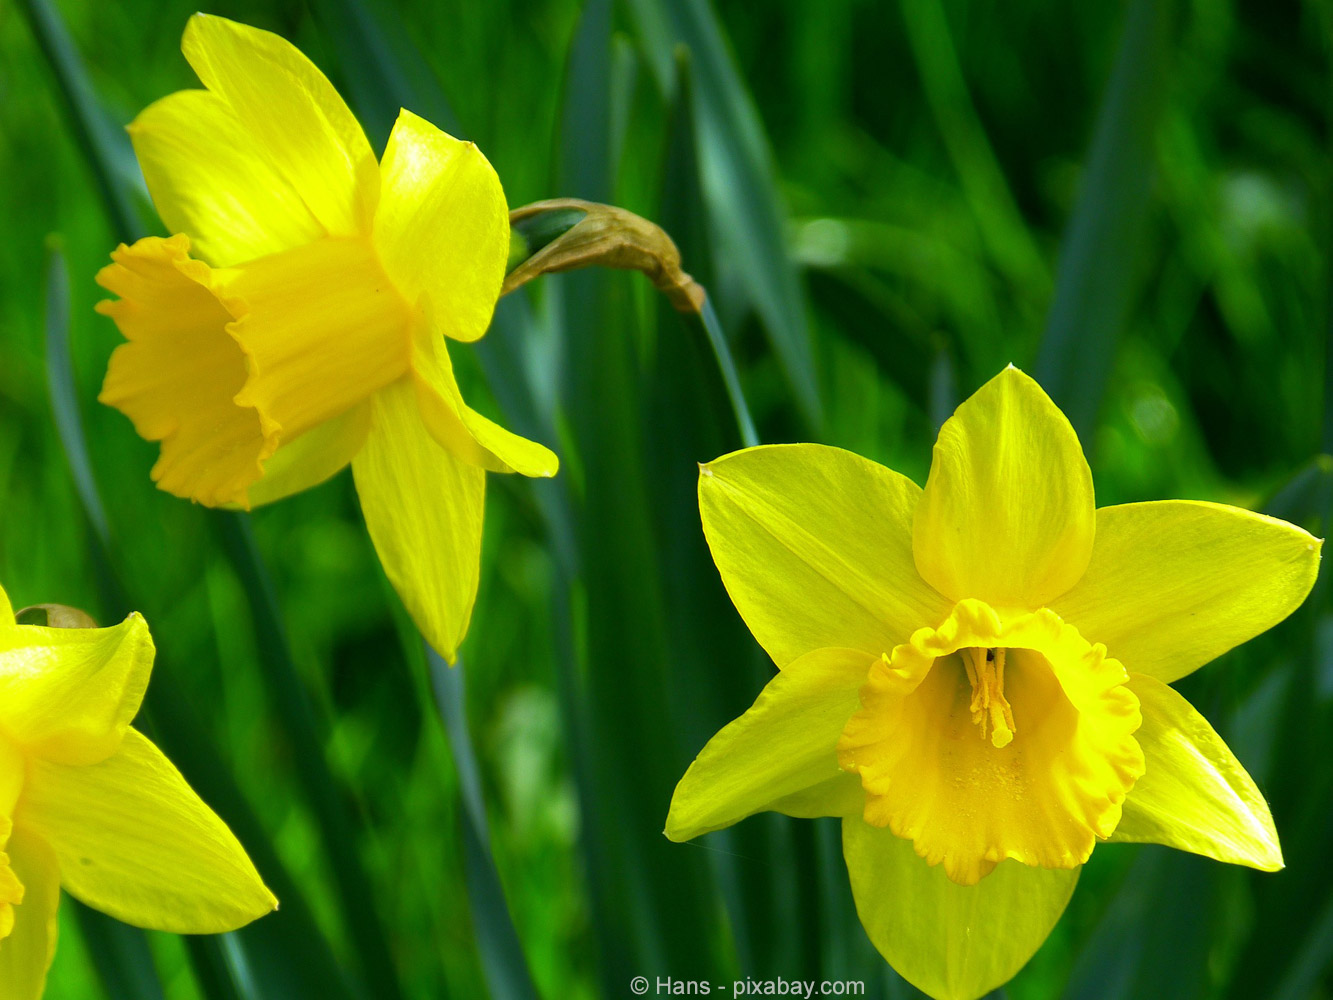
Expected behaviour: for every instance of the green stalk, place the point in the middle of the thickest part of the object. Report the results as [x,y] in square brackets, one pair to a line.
[502,955]
[726,366]
[93,132]
[1100,256]
[339,833]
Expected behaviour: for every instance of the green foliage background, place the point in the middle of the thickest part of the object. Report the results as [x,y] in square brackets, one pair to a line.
[888,202]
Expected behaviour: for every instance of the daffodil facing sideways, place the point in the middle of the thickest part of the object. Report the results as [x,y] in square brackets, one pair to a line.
[88,803]
[976,676]
[297,320]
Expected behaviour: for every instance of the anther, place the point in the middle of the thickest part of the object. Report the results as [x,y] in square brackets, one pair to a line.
[990,710]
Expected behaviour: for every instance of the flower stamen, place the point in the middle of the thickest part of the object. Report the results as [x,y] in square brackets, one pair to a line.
[990,709]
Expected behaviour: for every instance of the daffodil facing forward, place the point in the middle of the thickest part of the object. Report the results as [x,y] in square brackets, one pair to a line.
[976,676]
[296,322]
[87,802]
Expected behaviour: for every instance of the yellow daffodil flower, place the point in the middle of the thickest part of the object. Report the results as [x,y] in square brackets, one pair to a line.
[297,321]
[976,676]
[87,802]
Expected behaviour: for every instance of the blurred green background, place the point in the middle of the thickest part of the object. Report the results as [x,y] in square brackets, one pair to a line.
[888,203]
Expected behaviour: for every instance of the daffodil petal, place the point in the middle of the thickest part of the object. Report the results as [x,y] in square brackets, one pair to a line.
[206,180]
[135,841]
[13,769]
[294,119]
[69,694]
[466,434]
[313,457]
[1195,795]
[26,953]
[6,610]
[1007,515]
[786,744]
[178,376]
[950,941]
[814,545]
[423,508]
[11,889]
[1174,583]
[838,796]
[442,227]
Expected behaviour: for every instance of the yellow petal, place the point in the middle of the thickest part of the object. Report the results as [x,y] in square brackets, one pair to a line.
[26,953]
[13,768]
[950,941]
[322,328]
[1038,779]
[11,889]
[838,796]
[786,744]
[443,226]
[313,457]
[208,181]
[466,434]
[178,375]
[70,694]
[423,508]
[1007,515]
[1194,795]
[293,118]
[814,545]
[6,610]
[135,841]
[11,893]
[1174,583]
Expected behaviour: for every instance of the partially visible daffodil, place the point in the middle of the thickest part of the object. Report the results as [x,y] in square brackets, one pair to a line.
[297,321]
[975,676]
[87,802]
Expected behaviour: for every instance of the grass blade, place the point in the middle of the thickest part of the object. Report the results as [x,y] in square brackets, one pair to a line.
[1099,262]
[1154,938]
[658,893]
[739,179]
[60,379]
[106,148]
[987,192]
[120,953]
[501,953]
[775,922]
[717,340]
[340,835]
[383,68]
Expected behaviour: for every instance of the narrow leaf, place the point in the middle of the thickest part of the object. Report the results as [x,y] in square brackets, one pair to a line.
[740,181]
[105,147]
[501,953]
[1103,248]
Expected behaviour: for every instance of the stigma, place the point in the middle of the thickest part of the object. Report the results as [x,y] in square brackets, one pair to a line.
[990,711]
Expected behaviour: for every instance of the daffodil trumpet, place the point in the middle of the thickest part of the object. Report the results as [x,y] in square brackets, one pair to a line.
[975,677]
[89,804]
[296,322]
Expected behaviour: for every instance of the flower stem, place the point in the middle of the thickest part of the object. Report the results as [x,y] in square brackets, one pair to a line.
[502,955]
[727,366]
[292,709]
